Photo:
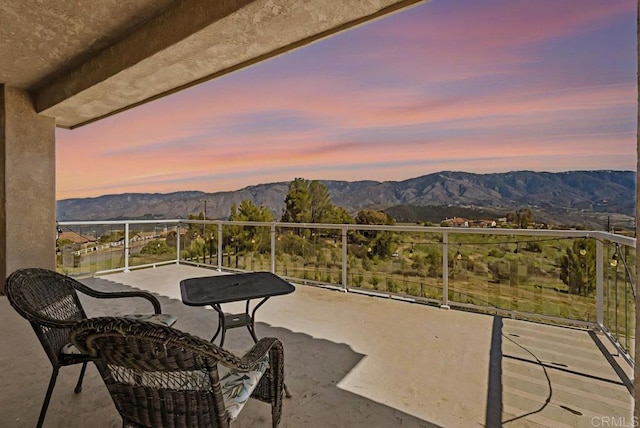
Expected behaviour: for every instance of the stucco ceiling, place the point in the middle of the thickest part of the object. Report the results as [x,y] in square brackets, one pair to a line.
[81,61]
[47,38]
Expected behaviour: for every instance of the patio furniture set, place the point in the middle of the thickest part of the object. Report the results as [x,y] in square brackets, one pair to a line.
[157,376]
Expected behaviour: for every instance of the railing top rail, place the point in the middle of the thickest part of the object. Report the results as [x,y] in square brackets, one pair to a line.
[548,233]
[123,222]
[612,237]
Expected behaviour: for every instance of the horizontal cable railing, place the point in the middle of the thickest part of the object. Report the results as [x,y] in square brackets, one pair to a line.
[574,277]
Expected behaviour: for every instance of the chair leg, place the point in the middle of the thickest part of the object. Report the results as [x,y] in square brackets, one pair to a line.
[78,387]
[47,398]
[286,391]
[276,414]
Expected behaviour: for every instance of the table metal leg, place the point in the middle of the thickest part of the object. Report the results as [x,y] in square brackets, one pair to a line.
[221,325]
[252,330]
[251,326]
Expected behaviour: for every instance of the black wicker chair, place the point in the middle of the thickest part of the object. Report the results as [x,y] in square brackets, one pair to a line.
[161,377]
[48,300]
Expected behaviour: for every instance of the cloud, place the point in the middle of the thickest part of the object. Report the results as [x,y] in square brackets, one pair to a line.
[479,86]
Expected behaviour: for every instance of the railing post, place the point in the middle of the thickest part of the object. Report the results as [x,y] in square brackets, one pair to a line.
[220,247]
[273,248]
[178,244]
[344,258]
[599,283]
[126,247]
[445,271]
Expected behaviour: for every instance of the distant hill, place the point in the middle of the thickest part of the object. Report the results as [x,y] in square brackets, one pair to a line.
[562,197]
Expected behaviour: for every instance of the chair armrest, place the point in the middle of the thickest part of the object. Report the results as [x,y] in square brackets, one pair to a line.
[266,345]
[260,349]
[248,361]
[119,294]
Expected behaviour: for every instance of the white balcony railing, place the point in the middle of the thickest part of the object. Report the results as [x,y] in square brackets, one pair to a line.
[575,277]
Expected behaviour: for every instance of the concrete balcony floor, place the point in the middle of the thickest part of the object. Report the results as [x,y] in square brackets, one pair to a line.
[353,361]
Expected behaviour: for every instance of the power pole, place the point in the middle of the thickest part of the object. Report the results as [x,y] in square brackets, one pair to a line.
[204,233]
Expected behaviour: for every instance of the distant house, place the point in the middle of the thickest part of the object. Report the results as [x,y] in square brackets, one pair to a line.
[482,223]
[117,243]
[76,238]
[142,236]
[456,222]
[461,222]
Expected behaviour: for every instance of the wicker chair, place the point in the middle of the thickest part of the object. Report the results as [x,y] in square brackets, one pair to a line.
[162,377]
[48,300]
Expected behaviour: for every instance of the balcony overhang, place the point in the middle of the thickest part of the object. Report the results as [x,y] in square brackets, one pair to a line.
[132,54]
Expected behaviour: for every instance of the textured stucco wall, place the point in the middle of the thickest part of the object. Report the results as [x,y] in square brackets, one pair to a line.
[191,43]
[27,174]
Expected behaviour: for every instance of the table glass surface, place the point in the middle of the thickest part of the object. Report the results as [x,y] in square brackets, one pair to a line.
[211,290]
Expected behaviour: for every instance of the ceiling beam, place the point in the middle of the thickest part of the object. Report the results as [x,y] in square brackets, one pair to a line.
[193,42]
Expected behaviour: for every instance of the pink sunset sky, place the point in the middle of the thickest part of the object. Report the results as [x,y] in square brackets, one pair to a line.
[478,86]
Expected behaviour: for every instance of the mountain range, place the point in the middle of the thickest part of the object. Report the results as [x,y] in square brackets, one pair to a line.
[576,196]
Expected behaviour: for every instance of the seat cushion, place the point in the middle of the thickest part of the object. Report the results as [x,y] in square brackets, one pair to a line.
[164,319]
[237,386]
[70,349]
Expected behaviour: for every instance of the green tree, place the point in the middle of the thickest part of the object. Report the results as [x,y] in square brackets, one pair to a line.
[297,202]
[156,247]
[320,206]
[246,237]
[380,242]
[172,239]
[248,211]
[374,217]
[578,267]
[309,202]
[339,215]
[522,218]
[195,229]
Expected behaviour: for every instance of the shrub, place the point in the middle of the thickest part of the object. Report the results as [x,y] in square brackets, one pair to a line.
[496,252]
